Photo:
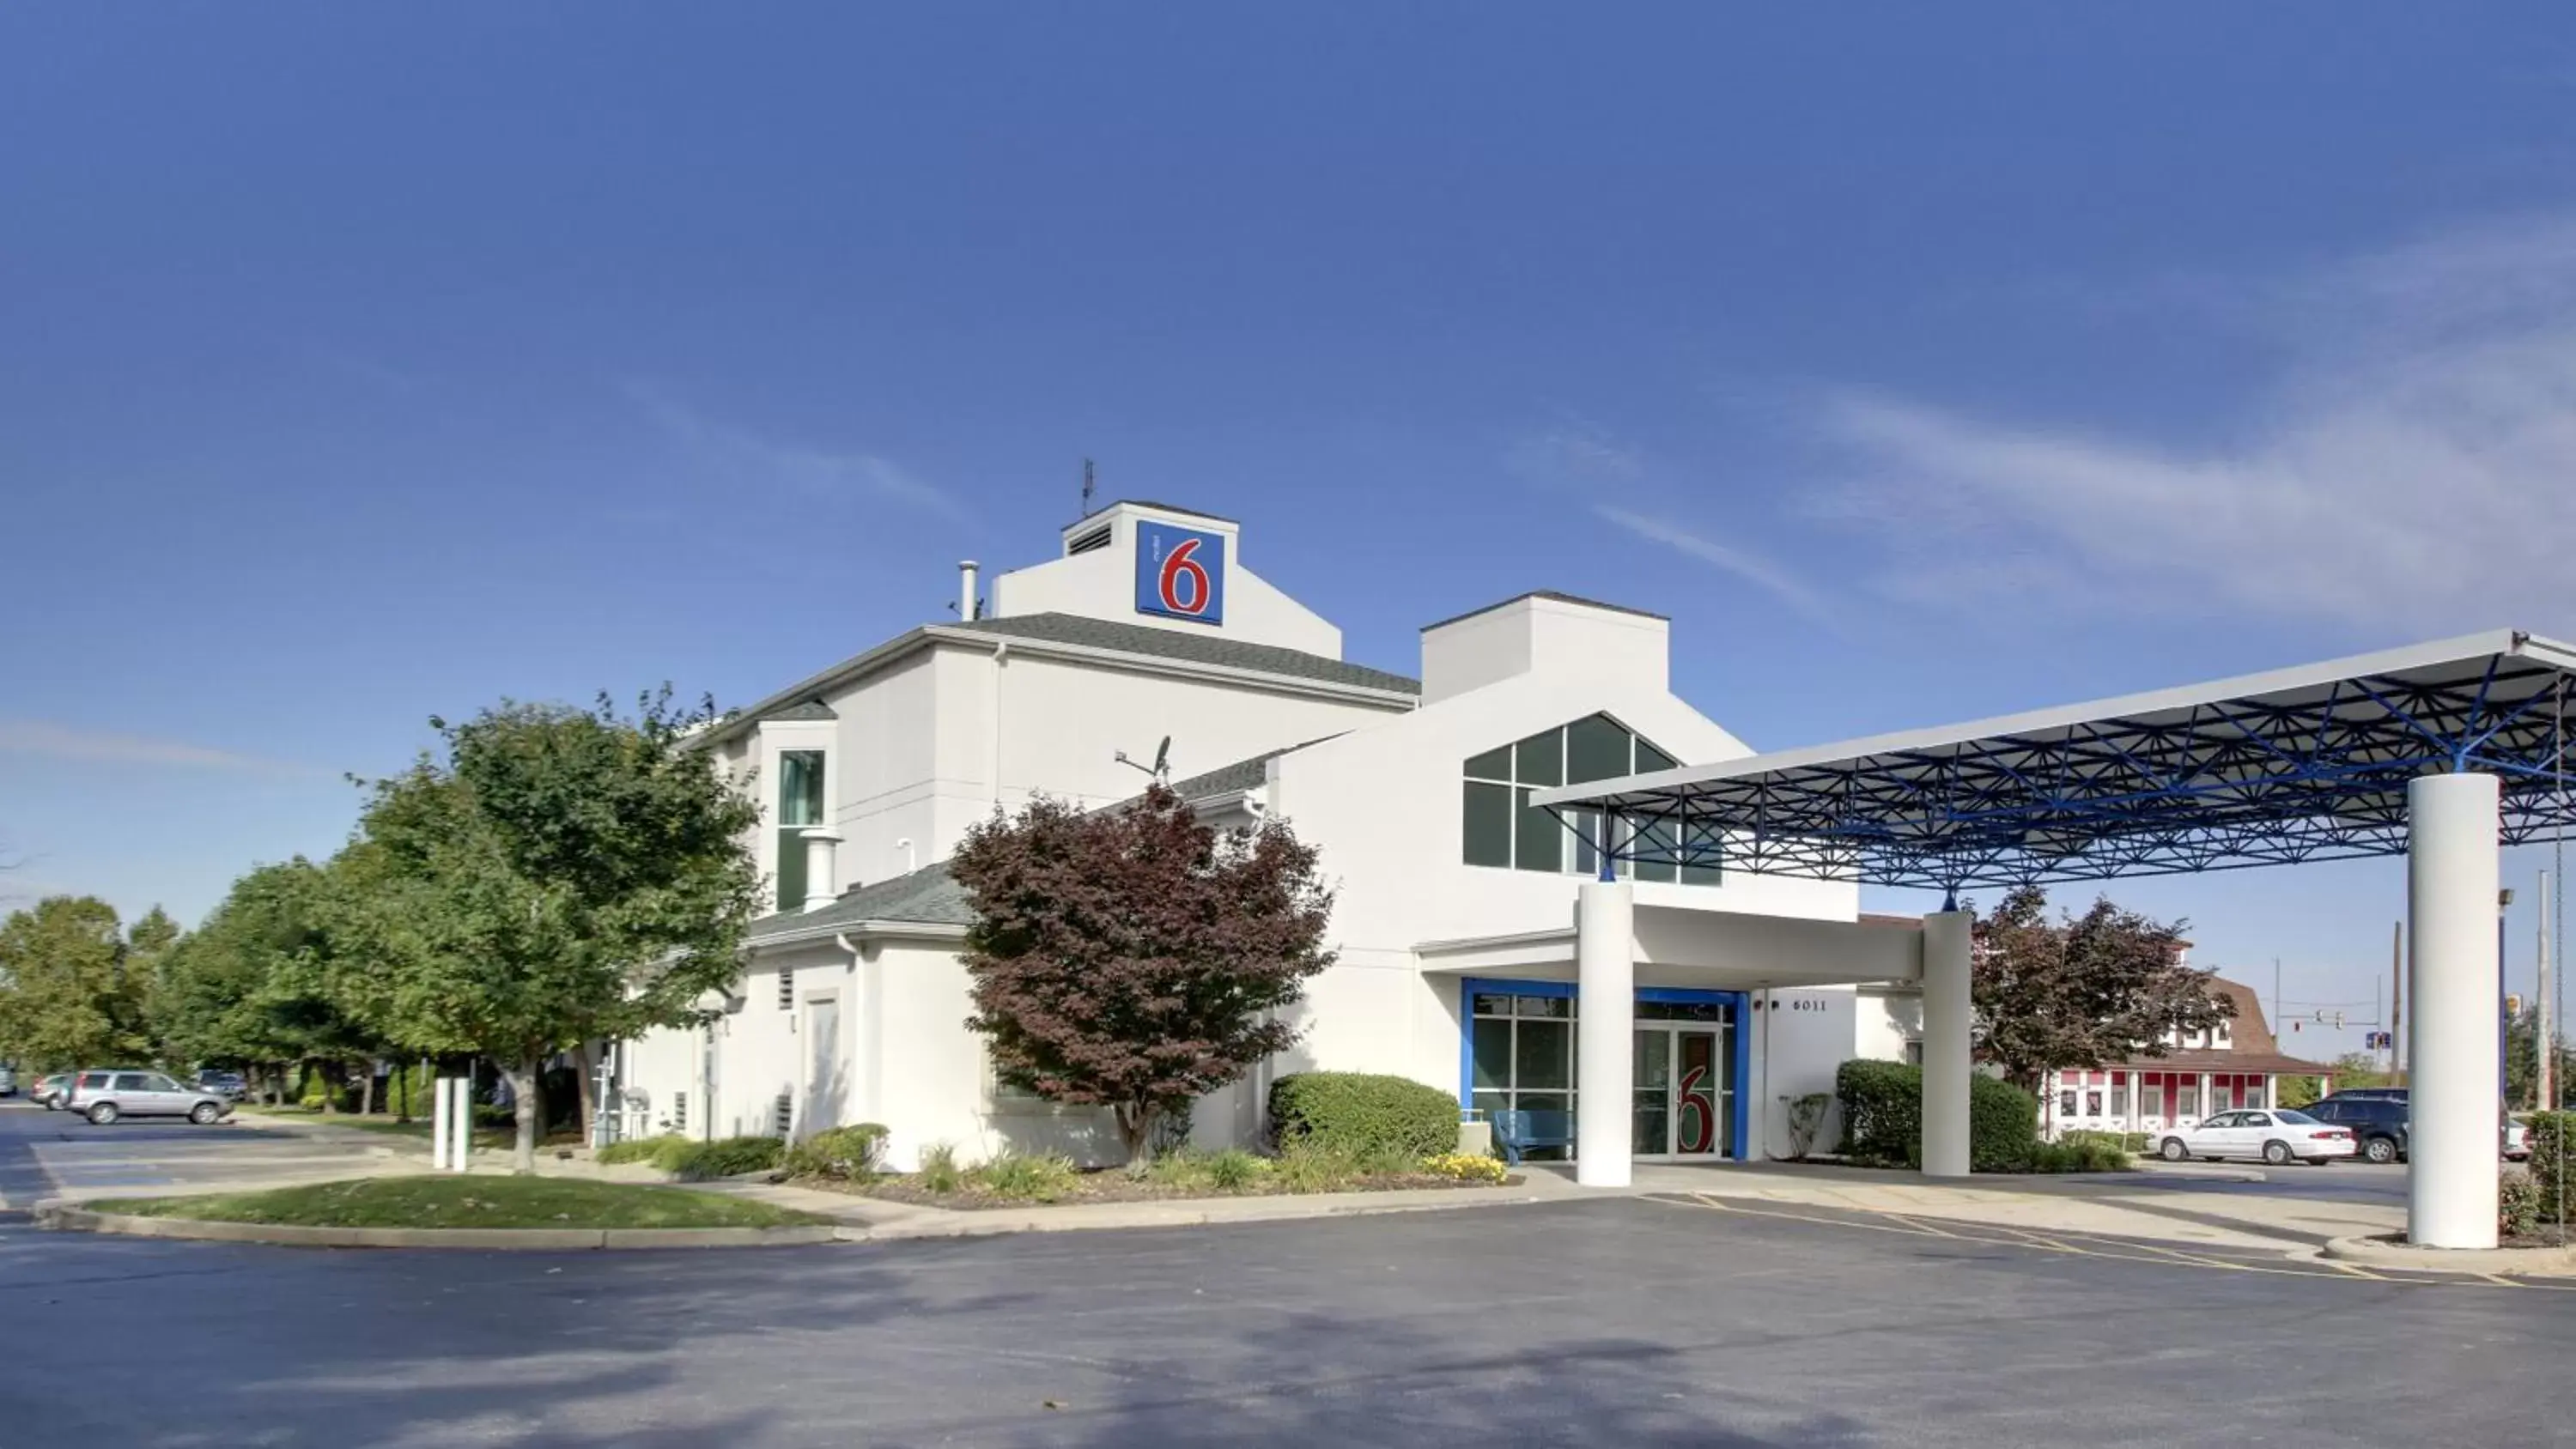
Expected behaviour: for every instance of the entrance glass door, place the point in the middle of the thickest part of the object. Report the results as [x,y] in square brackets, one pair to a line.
[1680,1101]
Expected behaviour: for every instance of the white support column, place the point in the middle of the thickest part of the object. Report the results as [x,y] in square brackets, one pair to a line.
[1946,1026]
[822,876]
[2453,981]
[1605,975]
[438,1124]
[460,1122]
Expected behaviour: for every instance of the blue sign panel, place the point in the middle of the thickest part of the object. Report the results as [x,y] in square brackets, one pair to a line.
[1180,573]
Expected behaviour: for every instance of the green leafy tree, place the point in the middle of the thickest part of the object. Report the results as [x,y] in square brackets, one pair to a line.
[561,876]
[269,978]
[1133,958]
[67,998]
[2082,991]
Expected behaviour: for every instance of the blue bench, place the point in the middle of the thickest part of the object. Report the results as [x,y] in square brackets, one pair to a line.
[1519,1132]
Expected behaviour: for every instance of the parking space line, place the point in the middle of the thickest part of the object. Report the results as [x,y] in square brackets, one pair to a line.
[2092,1246]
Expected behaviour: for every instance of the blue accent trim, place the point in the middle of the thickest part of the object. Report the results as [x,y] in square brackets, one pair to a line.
[1740,1140]
[1739,1047]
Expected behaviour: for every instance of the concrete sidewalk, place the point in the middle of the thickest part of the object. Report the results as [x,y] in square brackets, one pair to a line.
[2128,1205]
[880,1220]
[2137,1204]
[2147,1203]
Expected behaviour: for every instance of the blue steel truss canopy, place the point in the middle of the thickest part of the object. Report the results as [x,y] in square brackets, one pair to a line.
[2295,765]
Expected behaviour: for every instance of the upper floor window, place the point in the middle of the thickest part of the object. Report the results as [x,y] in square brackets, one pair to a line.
[800,806]
[1503,829]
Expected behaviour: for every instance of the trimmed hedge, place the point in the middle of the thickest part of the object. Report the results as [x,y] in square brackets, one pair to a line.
[845,1152]
[693,1161]
[2553,1164]
[1363,1114]
[637,1149]
[1883,1117]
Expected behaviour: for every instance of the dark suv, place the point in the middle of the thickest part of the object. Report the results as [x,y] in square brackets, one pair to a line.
[2380,1125]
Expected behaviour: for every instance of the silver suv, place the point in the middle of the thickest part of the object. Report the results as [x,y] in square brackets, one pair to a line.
[103,1097]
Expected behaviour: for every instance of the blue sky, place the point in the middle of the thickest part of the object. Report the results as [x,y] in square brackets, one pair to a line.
[1922,362]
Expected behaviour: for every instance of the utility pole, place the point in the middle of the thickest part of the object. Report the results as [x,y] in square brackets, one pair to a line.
[2276,993]
[2545,1080]
[2396,999]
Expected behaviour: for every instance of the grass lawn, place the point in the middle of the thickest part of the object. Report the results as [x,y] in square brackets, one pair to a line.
[440,1201]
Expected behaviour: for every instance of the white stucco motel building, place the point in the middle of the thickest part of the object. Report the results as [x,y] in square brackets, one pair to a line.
[1455,924]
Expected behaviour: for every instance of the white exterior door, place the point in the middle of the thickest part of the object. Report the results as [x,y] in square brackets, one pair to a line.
[825,1081]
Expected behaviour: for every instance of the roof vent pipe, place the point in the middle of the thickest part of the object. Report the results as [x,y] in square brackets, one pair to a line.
[966,590]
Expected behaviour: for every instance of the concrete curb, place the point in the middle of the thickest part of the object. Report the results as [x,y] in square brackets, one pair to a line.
[63,1217]
[2512,1262]
[1112,1217]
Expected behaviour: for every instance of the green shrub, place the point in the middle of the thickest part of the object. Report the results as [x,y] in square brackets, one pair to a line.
[1234,1169]
[2096,1152]
[939,1171]
[1883,1117]
[1882,1111]
[1182,1171]
[2517,1204]
[2553,1164]
[2003,1124]
[637,1149]
[849,1153]
[2105,1151]
[726,1156]
[1028,1177]
[1361,1113]
[1309,1167]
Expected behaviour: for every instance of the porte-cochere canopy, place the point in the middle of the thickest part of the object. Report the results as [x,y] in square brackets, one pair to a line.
[2300,764]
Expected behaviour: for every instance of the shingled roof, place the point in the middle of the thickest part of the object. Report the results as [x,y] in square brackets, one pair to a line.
[1248,774]
[929,896]
[802,699]
[1195,647]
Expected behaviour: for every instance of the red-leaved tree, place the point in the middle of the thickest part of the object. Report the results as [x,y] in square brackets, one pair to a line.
[1133,958]
[2082,991]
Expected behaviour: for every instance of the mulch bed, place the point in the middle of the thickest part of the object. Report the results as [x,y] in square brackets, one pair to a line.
[1114,1185]
[2541,1237]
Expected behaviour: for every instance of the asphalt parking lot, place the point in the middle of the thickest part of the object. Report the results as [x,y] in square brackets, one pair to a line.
[2336,1181]
[1608,1322]
[43,1154]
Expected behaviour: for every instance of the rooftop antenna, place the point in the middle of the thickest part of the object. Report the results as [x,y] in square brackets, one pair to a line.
[1086,487]
[1161,769]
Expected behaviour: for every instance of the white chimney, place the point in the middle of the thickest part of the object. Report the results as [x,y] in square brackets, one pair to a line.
[966,590]
[820,861]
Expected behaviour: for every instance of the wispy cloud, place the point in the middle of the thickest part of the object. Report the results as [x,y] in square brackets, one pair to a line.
[1574,453]
[816,473]
[46,740]
[1579,457]
[2413,466]
[1750,567]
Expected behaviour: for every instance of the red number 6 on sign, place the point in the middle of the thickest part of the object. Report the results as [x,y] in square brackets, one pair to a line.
[1180,568]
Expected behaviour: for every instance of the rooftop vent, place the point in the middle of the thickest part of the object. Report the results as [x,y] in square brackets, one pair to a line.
[1086,542]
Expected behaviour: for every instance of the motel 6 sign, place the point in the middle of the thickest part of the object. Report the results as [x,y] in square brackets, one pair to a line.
[1180,573]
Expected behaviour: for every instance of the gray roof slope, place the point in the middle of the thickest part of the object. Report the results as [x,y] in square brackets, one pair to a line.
[1197,648]
[1242,774]
[809,710]
[1074,629]
[929,895]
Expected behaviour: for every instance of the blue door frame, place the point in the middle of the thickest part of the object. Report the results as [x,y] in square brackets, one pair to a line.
[1739,1047]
